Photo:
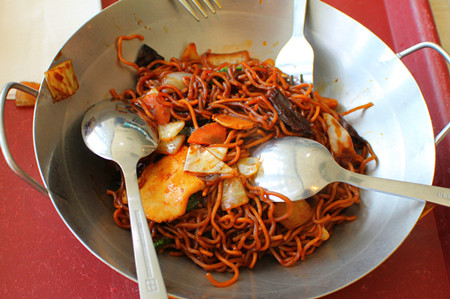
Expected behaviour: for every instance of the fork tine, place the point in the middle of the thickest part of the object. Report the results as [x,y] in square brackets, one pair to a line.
[218,4]
[189,8]
[200,8]
[210,6]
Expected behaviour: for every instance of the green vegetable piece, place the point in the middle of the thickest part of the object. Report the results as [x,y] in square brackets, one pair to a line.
[162,242]
[193,202]
[225,69]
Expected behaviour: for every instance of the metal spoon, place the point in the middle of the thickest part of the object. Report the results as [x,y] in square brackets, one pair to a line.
[299,168]
[296,58]
[114,132]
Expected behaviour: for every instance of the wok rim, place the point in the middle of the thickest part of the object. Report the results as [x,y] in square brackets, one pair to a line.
[51,195]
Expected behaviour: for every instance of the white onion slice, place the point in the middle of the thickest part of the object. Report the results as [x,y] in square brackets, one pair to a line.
[176,79]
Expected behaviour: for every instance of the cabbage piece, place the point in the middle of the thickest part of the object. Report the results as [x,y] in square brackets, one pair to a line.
[219,151]
[233,194]
[170,130]
[170,147]
[176,79]
[202,161]
[248,166]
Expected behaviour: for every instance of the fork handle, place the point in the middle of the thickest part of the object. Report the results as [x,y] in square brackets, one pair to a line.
[299,17]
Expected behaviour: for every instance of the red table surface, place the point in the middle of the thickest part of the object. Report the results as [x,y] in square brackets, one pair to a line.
[40,258]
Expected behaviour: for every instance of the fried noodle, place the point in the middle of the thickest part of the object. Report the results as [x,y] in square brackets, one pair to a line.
[225,241]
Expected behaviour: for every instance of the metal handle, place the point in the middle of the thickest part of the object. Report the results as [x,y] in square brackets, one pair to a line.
[3,142]
[446,56]
[433,194]
[150,279]
[299,18]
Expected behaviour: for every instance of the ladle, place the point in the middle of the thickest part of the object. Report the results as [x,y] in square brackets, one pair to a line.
[112,130]
[299,168]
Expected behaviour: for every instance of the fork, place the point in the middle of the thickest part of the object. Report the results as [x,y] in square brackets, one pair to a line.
[296,58]
[189,8]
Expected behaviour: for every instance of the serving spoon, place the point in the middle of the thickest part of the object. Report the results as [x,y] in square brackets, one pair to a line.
[299,168]
[112,130]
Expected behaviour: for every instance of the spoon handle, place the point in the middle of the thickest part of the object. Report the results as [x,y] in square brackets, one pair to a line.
[433,194]
[150,279]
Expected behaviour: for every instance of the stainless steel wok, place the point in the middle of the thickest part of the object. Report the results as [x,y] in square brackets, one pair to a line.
[354,68]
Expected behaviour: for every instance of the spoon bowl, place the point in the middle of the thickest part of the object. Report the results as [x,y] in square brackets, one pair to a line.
[112,130]
[299,168]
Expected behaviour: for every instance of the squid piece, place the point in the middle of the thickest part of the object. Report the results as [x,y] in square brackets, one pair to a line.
[340,140]
[167,188]
[358,141]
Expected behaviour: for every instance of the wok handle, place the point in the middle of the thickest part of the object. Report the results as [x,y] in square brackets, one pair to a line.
[4,143]
[446,56]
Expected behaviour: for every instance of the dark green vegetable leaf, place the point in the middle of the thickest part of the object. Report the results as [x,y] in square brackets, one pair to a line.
[194,201]
[162,242]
